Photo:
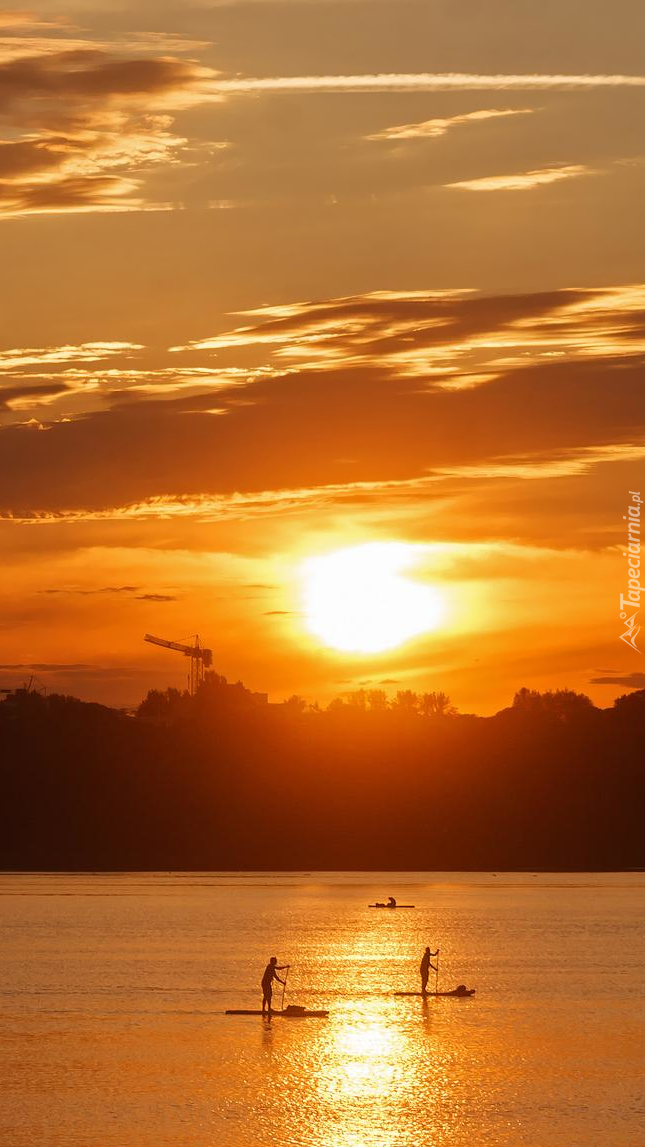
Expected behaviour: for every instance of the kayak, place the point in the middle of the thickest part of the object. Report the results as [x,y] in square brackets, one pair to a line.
[460,993]
[292,1012]
[391,905]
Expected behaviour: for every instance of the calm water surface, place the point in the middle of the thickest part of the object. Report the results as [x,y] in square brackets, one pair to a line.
[112,1032]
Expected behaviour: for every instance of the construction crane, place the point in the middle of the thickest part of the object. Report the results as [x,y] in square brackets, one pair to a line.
[200,659]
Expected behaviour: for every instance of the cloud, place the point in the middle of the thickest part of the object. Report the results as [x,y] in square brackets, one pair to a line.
[72,669]
[500,497]
[39,40]
[87,125]
[237,506]
[399,393]
[562,464]
[17,358]
[40,667]
[433,128]
[629,680]
[418,82]
[155,597]
[90,124]
[119,589]
[523,181]
[454,338]
[24,397]
[10,20]
[35,377]
[72,79]
[98,589]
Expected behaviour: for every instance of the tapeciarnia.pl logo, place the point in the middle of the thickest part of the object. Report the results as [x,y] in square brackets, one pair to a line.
[633,555]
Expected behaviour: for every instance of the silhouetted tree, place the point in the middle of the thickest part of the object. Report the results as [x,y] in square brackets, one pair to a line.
[223,780]
[162,706]
[436,705]
[631,706]
[377,701]
[295,704]
[562,704]
[406,701]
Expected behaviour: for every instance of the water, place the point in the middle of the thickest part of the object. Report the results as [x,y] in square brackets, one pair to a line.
[112,1032]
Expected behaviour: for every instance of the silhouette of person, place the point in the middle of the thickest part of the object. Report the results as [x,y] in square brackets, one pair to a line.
[425,969]
[391,902]
[271,974]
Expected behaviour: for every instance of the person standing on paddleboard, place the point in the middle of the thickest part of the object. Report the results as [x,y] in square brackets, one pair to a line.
[425,969]
[271,974]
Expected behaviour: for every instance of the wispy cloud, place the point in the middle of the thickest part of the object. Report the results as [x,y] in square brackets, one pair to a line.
[89,123]
[434,128]
[14,19]
[437,383]
[73,379]
[134,591]
[279,503]
[629,680]
[420,82]
[39,40]
[86,125]
[524,180]
[565,464]
[427,334]
[31,377]
[128,589]
[226,507]
[71,669]
[156,597]
[20,357]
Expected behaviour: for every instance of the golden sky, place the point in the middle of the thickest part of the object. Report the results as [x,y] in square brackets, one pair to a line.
[282,277]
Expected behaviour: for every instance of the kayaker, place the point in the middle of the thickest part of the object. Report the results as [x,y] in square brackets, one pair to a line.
[425,969]
[391,902]
[271,974]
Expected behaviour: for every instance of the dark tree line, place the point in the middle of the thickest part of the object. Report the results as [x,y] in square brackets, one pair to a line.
[222,780]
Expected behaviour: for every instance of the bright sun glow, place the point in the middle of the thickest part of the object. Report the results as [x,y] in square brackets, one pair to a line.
[357,600]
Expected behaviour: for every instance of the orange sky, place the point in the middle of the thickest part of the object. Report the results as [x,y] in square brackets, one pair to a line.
[286,277]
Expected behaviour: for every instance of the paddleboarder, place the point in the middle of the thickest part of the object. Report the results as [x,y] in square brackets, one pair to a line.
[425,967]
[271,974]
[391,902]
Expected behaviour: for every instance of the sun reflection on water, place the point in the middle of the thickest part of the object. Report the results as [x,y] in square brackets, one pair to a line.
[365,1060]
[376,1071]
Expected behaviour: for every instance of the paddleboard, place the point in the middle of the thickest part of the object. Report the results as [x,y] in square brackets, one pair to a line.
[391,906]
[425,995]
[290,1013]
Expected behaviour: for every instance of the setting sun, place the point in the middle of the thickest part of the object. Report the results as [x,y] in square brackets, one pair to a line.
[358,601]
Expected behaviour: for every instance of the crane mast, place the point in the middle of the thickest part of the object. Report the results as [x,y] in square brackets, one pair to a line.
[201,659]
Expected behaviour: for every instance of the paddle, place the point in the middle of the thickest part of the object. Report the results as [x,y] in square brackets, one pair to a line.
[436,978]
[284,986]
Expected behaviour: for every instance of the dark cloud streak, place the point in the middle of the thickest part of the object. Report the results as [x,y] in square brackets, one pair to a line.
[367,418]
[629,680]
[91,124]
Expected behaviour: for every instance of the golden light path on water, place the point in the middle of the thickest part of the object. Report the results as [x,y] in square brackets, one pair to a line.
[113,1032]
[378,1076]
[369,1061]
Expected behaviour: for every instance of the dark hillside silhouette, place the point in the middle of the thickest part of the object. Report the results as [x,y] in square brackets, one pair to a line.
[225,780]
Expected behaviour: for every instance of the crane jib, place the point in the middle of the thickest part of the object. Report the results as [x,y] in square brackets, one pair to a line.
[200,658]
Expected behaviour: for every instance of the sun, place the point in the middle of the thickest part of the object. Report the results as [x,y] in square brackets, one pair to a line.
[357,600]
